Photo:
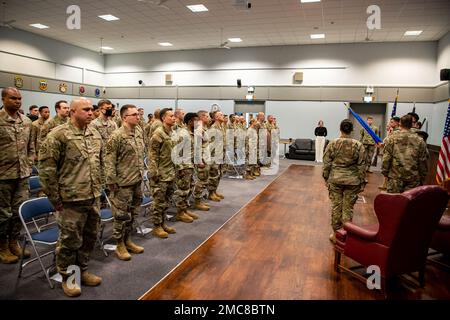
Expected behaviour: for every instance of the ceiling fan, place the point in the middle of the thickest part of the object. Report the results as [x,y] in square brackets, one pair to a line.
[4,23]
[158,3]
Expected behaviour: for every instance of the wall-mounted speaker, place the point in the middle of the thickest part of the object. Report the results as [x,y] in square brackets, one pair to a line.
[238,83]
[445,74]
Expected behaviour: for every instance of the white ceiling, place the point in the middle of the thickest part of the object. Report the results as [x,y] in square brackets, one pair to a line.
[269,22]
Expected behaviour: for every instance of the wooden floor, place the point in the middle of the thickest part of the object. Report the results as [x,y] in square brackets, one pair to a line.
[277,247]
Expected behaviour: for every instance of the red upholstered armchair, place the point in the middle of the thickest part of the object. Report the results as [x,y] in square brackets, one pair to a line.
[399,243]
[441,240]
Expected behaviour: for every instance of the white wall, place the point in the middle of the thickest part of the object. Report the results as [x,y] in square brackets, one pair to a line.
[148,104]
[31,54]
[436,130]
[406,63]
[443,53]
[42,99]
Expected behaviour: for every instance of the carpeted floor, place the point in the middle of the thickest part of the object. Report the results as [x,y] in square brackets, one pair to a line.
[129,280]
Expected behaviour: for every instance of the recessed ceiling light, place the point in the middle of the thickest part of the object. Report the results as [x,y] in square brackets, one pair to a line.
[108,17]
[39,26]
[197,8]
[413,33]
[317,36]
[235,39]
[107,48]
[165,44]
[307,1]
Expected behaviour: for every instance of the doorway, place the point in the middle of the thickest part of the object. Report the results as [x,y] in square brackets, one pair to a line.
[375,110]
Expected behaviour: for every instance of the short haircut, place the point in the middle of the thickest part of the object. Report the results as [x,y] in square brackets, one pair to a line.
[150,115]
[423,135]
[406,121]
[199,113]
[369,117]
[189,116]
[58,104]
[346,126]
[396,119]
[157,114]
[163,112]
[5,91]
[42,108]
[95,106]
[33,107]
[414,115]
[104,101]
[125,108]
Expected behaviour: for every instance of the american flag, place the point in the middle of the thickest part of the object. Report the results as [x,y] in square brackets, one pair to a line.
[394,108]
[443,166]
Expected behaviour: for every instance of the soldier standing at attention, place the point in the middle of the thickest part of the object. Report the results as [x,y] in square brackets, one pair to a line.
[62,116]
[369,144]
[404,159]
[217,130]
[16,158]
[124,166]
[343,171]
[162,172]
[185,169]
[69,169]
[202,169]
[157,123]
[37,125]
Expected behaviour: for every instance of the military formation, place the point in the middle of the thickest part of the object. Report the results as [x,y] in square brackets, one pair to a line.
[347,163]
[86,155]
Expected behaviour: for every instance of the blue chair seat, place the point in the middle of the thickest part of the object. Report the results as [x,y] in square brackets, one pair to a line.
[48,236]
[146,201]
[106,214]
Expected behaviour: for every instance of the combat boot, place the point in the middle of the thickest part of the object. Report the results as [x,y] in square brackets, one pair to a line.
[249,177]
[191,214]
[132,247]
[213,197]
[89,279]
[16,249]
[74,291]
[199,205]
[121,251]
[256,173]
[181,216]
[5,255]
[219,195]
[159,232]
[168,229]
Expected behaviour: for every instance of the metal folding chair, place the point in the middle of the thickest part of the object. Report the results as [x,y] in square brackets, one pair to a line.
[29,213]
[106,215]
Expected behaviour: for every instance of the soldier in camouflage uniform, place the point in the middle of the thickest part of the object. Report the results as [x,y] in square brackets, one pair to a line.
[16,158]
[202,169]
[251,141]
[116,117]
[217,130]
[404,159]
[105,126]
[37,126]
[62,116]
[157,123]
[179,120]
[162,172]
[185,168]
[124,166]
[343,171]
[69,169]
[369,143]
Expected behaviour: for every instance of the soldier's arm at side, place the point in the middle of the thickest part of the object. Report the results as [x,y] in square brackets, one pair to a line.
[327,160]
[361,133]
[154,155]
[31,147]
[387,158]
[110,159]
[44,132]
[361,164]
[49,158]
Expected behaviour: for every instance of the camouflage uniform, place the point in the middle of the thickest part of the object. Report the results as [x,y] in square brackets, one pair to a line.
[251,142]
[105,128]
[36,128]
[69,169]
[155,125]
[404,161]
[369,145]
[124,165]
[161,172]
[116,118]
[215,169]
[16,158]
[202,173]
[343,170]
[50,125]
[184,171]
